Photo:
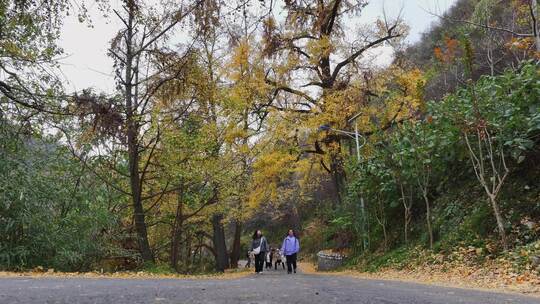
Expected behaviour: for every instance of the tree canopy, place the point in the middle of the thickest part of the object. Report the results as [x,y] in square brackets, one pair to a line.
[230,116]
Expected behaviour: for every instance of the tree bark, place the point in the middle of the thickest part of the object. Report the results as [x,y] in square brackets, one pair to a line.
[187,248]
[235,252]
[495,178]
[338,177]
[133,147]
[535,14]
[176,233]
[406,214]
[500,221]
[428,219]
[220,247]
[385,234]
[381,219]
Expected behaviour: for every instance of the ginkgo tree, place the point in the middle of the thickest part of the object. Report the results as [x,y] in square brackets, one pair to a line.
[313,64]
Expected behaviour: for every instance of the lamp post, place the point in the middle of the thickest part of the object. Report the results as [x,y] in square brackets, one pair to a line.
[356,137]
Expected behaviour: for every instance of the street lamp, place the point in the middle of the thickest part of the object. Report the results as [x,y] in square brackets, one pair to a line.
[356,136]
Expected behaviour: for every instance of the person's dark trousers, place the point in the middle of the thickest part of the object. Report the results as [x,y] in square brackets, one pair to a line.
[259,262]
[279,263]
[291,263]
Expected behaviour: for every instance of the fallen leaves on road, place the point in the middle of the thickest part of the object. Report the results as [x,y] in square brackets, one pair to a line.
[229,274]
[498,274]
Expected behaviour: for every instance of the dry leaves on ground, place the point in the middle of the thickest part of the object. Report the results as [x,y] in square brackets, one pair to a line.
[493,277]
[229,274]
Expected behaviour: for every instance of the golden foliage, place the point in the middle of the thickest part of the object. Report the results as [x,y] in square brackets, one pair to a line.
[320,48]
[269,171]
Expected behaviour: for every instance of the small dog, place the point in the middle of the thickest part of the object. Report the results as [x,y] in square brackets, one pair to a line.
[279,259]
[250,257]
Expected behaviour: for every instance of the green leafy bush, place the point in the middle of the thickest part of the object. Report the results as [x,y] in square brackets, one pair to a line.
[52,212]
[433,148]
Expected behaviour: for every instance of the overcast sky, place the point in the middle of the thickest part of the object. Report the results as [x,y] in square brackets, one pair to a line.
[87,65]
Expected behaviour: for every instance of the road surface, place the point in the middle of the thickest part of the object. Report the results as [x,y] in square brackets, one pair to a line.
[269,287]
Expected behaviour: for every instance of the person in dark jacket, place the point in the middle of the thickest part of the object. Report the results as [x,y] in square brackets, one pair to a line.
[259,247]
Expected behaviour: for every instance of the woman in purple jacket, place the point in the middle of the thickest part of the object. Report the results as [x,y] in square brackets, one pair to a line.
[290,248]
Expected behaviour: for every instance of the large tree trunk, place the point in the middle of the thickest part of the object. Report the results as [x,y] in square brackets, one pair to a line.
[138,209]
[142,233]
[338,177]
[220,247]
[235,252]
[176,233]
[295,220]
[187,249]
[133,148]
[535,14]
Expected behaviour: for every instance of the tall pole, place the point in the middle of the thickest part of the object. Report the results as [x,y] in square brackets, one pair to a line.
[357,141]
[362,206]
[535,14]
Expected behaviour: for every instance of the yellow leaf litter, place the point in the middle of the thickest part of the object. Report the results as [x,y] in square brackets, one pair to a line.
[228,274]
[495,277]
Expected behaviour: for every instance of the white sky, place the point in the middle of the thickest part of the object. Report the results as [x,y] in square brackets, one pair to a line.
[87,64]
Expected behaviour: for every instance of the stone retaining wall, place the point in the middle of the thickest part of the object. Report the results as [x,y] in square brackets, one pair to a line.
[329,261]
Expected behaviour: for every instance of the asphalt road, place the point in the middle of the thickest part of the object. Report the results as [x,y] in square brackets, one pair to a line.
[269,287]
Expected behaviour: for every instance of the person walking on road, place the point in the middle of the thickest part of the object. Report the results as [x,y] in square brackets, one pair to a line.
[268,259]
[290,248]
[259,247]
